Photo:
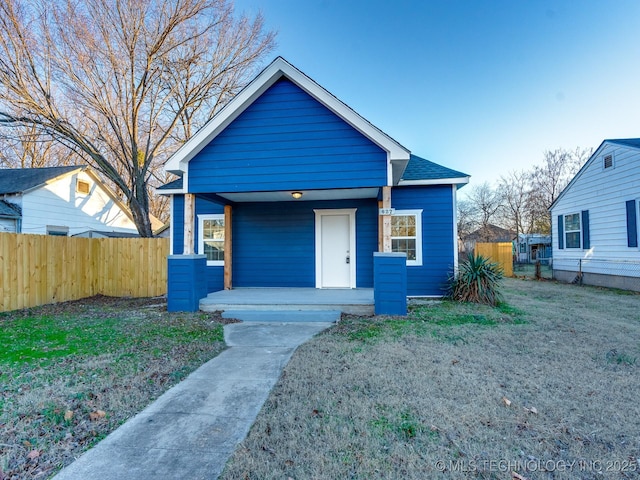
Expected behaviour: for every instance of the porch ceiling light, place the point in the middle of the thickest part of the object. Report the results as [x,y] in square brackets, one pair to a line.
[296,195]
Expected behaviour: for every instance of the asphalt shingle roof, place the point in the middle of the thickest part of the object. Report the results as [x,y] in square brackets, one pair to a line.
[9,211]
[16,180]
[627,142]
[422,169]
[175,185]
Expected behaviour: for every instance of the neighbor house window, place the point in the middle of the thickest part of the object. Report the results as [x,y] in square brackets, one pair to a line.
[406,235]
[57,231]
[572,230]
[82,187]
[211,238]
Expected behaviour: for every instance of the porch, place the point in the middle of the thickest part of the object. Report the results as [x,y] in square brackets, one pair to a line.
[357,301]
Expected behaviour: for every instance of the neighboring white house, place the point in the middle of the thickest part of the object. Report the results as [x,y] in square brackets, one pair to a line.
[60,201]
[595,219]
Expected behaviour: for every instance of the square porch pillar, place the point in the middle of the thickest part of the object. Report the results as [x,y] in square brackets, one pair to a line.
[187,282]
[390,283]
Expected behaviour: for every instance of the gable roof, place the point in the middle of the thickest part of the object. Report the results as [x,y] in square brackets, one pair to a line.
[397,155]
[421,171]
[624,142]
[20,180]
[627,142]
[8,210]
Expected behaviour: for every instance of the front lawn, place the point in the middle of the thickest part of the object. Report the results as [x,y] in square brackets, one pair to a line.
[545,386]
[71,373]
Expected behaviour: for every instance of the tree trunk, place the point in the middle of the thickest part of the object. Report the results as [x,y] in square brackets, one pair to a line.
[141,217]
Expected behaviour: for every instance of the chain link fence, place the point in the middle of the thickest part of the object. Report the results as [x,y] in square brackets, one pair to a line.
[621,274]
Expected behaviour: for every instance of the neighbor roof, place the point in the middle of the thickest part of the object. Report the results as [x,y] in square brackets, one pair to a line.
[18,180]
[422,171]
[8,210]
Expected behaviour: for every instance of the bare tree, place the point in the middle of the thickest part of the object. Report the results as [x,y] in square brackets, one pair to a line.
[123,82]
[487,203]
[549,179]
[26,147]
[514,190]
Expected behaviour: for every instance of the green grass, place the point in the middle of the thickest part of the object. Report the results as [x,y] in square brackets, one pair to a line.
[440,319]
[44,338]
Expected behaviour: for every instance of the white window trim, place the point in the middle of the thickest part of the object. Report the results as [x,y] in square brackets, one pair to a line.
[564,220]
[418,214]
[201,219]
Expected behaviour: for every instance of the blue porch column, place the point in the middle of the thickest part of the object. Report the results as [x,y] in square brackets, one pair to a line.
[187,282]
[390,283]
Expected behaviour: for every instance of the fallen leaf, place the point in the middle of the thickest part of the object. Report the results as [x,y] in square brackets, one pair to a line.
[517,476]
[33,454]
[506,401]
[288,463]
[26,443]
[454,361]
[68,415]
[97,415]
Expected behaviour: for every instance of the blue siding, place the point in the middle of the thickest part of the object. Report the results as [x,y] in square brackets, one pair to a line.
[274,243]
[286,140]
[185,282]
[178,224]
[390,283]
[214,275]
[437,236]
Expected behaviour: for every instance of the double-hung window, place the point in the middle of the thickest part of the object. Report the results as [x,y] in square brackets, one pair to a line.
[211,238]
[406,235]
[572,231]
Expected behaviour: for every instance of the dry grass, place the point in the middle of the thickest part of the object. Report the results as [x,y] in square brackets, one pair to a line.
[546,386]
[102,360]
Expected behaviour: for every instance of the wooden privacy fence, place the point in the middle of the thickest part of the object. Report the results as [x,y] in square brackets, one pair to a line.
[501,253]
[40,269]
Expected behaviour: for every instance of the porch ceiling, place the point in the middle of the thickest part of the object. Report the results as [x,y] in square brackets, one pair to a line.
[307,195]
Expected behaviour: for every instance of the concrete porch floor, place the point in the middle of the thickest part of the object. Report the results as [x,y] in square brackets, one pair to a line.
[358,301]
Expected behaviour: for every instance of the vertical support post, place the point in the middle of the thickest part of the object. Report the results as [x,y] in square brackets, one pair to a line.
[189,223]
[386,220]
[228,284]
[380,229]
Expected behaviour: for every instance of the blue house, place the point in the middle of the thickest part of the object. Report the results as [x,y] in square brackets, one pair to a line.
[289,187]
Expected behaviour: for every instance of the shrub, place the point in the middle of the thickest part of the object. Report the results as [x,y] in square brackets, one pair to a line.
[478,280]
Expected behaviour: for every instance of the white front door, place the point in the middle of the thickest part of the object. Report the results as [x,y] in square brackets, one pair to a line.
[335,248]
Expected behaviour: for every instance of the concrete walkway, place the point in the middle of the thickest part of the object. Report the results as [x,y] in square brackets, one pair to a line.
[192,430]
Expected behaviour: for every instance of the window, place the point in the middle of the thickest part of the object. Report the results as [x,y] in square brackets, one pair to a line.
[406,235]
[57,230]
[607,161]
[211,238]
[572,230]
[82,186]
[523,248]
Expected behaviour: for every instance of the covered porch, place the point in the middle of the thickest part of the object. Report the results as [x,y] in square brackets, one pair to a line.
[357,301]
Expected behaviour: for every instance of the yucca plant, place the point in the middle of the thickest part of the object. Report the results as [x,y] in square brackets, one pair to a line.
[478,280]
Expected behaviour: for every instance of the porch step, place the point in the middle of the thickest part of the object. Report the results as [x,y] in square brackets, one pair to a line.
[354,301]
[284,316]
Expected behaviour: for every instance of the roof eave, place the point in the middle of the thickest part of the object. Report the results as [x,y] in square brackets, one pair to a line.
[436,181]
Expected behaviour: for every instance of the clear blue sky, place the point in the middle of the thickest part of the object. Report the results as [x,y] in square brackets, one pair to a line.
[484,87]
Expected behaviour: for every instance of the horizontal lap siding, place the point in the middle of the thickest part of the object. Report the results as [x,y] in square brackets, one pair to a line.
[286,140]
[437,236]
[274,243]
[215,275]
[603,193]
